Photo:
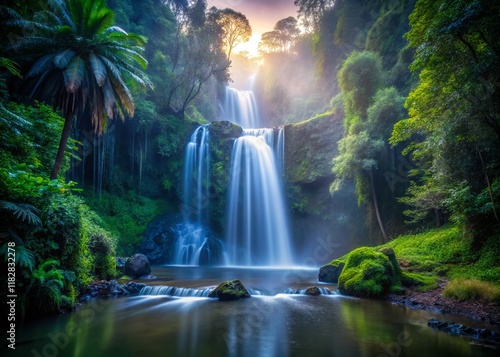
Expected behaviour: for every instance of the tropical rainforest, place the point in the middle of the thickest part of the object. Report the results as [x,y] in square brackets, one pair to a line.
[98,100]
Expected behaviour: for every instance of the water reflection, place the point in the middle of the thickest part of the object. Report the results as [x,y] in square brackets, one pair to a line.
[278,325]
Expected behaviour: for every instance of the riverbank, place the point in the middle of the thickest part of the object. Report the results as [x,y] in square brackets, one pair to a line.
[433,300]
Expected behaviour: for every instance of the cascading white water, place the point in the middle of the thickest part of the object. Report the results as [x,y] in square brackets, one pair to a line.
[257,229]
[257,232]
[240,107]
[195,245]
[196,176]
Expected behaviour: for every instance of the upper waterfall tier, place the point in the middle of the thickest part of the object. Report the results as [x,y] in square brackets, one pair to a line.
[240,107]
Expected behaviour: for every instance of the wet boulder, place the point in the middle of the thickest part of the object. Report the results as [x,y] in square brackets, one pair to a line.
[313,291]
[229,290]
[137,266]
[330,273]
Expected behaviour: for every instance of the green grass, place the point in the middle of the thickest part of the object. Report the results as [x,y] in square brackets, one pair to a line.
[472,289]
[448,252]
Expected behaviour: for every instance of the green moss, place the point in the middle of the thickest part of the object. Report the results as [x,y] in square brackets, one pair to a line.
[230,290]
[419,281]
[368,273]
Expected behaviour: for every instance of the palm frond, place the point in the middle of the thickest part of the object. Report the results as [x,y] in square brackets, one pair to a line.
[115,29]
[98,68]
[59,6]
[11,66]
[8,13]
[109,98]
[73,74]
[103,19]
[62,59]
[41,65]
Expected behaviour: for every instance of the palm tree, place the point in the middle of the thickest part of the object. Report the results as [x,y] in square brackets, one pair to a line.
[79,62]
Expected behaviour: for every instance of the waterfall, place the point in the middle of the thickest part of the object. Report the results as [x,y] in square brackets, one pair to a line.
[195,244]
[240,108]
[197,176]
[257,232]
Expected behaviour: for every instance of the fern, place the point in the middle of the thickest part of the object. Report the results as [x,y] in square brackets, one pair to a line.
[48,281]
[22,211]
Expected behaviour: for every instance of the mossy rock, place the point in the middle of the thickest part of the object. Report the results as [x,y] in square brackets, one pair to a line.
[229,290]
[391,255]
[225,130]
[368,273]
[330,273]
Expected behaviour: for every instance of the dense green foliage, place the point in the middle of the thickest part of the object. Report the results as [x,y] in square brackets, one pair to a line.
[454,113]
[78,61]
[50,226]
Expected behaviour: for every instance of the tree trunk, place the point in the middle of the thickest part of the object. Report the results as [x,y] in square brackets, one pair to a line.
[62,146]
[488,183]
[375,204]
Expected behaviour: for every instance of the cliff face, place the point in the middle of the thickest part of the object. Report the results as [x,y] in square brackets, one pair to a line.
[310,147]
[323,226]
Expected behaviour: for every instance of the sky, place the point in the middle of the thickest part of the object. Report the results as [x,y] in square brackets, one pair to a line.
[262,15]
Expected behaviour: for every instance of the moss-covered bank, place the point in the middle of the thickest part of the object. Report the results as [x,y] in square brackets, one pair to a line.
[419,261]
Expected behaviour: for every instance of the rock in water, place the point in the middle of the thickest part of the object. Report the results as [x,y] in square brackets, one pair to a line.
[137,266]
[330,273]
[229,290]
[313,291]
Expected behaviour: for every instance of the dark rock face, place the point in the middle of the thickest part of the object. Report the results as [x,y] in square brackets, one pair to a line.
[310,147]
[459,329]
[330,273]
[316,215]
[229,290]
[110,289]
[137,266]
[211,252]
[159,240]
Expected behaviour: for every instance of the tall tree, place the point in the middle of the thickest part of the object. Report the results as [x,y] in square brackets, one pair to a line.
[285,34]
[198,56]
[79,62]
[235,26]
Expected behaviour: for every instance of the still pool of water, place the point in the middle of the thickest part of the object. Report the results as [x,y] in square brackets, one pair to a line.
[274,324]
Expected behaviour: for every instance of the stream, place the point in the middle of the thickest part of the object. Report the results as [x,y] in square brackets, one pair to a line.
[272,324]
